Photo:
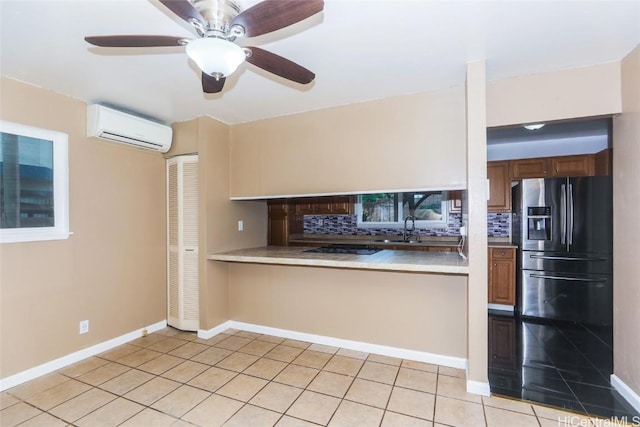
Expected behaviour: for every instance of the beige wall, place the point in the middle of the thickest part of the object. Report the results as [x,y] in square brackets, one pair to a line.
[626,233]
[111,271]
[406,142]
[578,92]
[419,312]
[218,215]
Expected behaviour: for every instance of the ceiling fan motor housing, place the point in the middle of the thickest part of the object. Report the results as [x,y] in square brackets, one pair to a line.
[217,14]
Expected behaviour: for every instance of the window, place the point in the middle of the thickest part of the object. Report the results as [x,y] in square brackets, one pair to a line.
[33,184]
[390,209]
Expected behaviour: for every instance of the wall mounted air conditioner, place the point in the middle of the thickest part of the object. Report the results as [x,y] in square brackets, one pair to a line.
[116,126]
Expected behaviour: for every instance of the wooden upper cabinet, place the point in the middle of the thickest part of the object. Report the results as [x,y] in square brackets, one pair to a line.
[343,205]
[332,205]
[278,225]
[602,163]
[305,206]
[499,187]
[562,166]
[529,168]
[580,165]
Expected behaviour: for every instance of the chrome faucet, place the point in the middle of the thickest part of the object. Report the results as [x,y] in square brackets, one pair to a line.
[407,232]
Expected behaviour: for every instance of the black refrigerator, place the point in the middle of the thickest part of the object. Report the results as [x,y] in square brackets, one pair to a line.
[564,231]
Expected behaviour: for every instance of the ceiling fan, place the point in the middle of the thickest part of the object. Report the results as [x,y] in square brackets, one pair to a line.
[219,23]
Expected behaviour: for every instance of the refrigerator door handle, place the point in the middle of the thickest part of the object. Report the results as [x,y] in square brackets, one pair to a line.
[563,214]
[570,215]
[565,258]
[574,279]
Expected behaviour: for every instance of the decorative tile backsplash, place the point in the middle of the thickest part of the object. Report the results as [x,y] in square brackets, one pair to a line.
[348,225]
[497,226]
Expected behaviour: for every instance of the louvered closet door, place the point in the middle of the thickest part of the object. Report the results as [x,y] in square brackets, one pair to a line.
[182,253]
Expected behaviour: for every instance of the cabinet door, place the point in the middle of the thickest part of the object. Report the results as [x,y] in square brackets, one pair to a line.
[499,187]
[342,205]
[581,165]
[323,206]
[502,343]
[502,274]
[182,244]
[278,224]
[305,206]
[529,168]
[602,163]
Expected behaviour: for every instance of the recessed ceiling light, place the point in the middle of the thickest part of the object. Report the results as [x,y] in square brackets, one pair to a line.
[536,126]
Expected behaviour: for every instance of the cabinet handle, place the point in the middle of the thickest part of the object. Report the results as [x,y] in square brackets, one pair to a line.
[502,253]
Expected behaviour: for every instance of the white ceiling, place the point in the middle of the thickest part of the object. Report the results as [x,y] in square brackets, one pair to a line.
[359,49]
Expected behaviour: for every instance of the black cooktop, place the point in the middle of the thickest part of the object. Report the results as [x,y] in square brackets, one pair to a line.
[345,249]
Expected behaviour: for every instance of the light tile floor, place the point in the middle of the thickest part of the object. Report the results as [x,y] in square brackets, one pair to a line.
[239,378]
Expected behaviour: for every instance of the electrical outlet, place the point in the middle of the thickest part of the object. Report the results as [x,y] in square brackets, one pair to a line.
[463,230]
[320,222]
[84,327]
[240,225]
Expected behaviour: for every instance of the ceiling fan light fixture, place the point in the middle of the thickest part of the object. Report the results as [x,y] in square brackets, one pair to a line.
[215,56]
[536,126]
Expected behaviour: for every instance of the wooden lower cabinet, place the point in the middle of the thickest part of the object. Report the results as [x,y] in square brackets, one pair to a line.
[502,276]
[502,343]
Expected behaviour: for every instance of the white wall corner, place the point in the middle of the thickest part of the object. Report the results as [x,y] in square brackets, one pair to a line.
[630,396]
[69,359]
[477,387]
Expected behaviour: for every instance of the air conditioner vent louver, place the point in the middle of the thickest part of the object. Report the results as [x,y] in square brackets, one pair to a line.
[116,126]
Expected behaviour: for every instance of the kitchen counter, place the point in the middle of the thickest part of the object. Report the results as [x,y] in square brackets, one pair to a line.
[501,243]
[386,260]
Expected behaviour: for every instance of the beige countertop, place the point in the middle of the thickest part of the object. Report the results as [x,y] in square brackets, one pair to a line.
[409,261]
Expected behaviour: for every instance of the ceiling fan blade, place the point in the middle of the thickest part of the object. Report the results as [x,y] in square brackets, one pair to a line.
[280,66]
[135,41]
[184,9]
[211,84]
[271,15]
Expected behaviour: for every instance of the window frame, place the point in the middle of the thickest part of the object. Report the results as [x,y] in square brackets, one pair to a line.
[441,223]
[60,229]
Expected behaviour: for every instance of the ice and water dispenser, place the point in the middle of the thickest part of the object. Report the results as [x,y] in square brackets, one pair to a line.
[539,223]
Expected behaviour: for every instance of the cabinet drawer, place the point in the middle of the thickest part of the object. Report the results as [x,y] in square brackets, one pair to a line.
[503,253]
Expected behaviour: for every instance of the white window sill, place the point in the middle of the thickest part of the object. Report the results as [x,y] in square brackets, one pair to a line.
[18,237]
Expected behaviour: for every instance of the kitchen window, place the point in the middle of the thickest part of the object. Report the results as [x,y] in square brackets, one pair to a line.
[389,210]
[33,184]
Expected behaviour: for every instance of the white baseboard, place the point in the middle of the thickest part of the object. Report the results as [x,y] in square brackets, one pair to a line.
[477,387]
[209,333]
[631,396]
[438,359]
[54,365]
